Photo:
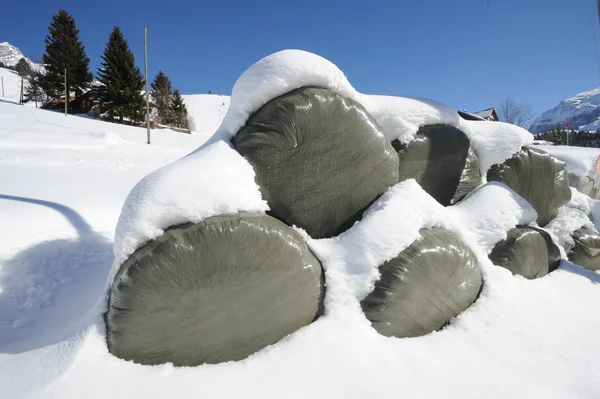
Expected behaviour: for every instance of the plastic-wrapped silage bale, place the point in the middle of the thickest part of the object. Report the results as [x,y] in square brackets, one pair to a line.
[586,251]
[424,287]
[440,158]
[539,178]
[320,159]
[214,291]
[527,251]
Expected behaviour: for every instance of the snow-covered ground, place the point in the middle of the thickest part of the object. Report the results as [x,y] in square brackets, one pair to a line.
[63,182]
[207,110]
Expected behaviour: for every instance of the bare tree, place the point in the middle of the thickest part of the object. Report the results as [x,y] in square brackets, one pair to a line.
[517,114]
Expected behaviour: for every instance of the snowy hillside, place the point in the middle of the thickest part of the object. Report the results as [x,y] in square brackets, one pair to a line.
[583,111]
[12,85]
[207,110]
[10,56]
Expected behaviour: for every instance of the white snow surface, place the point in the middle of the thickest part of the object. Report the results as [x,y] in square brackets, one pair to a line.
[11,55]
[215,181]
[490,211]
[562,227]
[401,117]
[63,182]
[207,110]
[494,142]
[580,161]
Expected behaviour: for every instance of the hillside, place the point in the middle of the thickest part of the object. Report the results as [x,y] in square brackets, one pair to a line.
[583,112]
[10,56]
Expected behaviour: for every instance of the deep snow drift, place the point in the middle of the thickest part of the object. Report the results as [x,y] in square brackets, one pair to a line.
[64,181]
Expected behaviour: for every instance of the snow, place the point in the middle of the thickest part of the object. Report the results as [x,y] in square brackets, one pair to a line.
[494,142]
[401,117]
[11,55]
[215,181]
[64,181]
[580,161]
[490,211]
[207,110]
[12,85]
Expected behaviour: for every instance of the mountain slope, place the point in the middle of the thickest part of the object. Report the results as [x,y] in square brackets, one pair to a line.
[583,112]
[10,56]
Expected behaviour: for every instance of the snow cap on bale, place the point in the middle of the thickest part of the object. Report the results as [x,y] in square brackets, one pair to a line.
[277,74]
[441,160]
[214,291]
[538,177]
[215,181]
[528,252]
[320,159]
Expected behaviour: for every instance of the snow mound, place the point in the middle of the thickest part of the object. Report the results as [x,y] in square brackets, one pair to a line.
[217,181]
[495,142]
[401,117]
[490,211]
[581,161]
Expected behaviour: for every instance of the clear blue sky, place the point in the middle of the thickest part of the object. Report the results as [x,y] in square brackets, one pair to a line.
[470,54]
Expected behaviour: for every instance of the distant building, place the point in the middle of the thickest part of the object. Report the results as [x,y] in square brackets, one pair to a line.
[485,115]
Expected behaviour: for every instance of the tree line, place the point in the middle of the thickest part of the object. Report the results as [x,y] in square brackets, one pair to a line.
[118,91]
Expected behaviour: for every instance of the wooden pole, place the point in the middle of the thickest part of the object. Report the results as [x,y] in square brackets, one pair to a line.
[66,94]
[21,96]
[147,92]
[2,77]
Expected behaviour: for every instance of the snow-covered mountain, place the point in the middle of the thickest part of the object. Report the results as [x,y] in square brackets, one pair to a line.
[583,112]
[10,56]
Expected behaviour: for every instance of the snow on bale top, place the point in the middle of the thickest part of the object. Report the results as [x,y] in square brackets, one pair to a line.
[216,181]
[495,142]
[401,117]
[277,74]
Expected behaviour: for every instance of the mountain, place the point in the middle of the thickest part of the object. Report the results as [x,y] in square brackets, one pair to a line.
[583,111]
[10,56]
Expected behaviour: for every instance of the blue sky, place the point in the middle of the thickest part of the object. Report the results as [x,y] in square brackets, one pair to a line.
[470,54]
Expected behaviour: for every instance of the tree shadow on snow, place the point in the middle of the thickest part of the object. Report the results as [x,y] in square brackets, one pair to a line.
[580,270]
[49,291]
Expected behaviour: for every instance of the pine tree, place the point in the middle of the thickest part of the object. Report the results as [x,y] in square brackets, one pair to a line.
[64,50]
[34,91]
[179,111]
[161,96]
[121,91]
[23,68]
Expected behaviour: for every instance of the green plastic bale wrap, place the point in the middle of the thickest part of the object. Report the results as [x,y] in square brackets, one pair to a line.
[585,185]
[441,160]
[538,177]
[527,251]
[320,159]
[586,251]
[212,292]
[424,287]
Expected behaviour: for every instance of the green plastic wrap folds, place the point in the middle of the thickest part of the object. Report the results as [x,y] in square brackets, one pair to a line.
[527,251]
[320,159]
[538,177]
[586,251]
[424,287]
[441,160]
[212,292]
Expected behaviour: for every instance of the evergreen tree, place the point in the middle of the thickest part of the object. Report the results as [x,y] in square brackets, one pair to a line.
[121,91]
[23,68]
[179,111]
[33,91]
[3,65]
[161,96]
[64,50]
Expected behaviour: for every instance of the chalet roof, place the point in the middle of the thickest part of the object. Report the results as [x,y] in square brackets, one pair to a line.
[486,113]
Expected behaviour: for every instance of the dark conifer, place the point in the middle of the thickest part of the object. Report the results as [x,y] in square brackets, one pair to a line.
[64,50]
[121,80]
[161,96]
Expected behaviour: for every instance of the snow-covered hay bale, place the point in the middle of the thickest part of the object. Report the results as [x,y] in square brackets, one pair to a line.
[585,185]
[538,177]
[320,159]
[441,160]
[586,251]
[424,287]
[527,251]
[214,291]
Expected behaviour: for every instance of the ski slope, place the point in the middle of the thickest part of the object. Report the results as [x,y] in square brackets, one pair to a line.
[63,181]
